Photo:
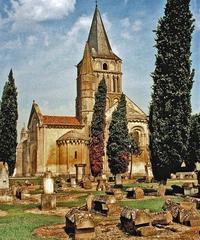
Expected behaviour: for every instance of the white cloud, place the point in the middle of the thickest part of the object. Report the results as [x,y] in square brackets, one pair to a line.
[82,23]
[40,10]
[32,40]
[126,35]
[125,22]
[137,26]
[12,44]
[3,21]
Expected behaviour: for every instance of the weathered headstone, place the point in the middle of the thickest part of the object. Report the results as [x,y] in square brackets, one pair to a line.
[101,184]
[48,202]
[118,180]
[80,224]
[73,182]
[86,183]
[138,193]
[106,205]
[89,201]
[161,190]
[4,178]
[48,199]
[132,219]
[162,218]
[193,200]
[48,183]
[188,205]
[181,213]
[118,193]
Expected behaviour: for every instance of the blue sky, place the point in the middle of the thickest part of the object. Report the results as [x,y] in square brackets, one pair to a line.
[43,40]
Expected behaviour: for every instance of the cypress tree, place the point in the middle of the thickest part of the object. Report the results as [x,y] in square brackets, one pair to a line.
[194,143]
[170,108]
[118,146]
[96,147]
[8,123]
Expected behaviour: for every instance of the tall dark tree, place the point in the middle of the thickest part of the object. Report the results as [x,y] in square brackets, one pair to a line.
[118,146]
[194,143]
[8,123]
[170,108]
[96,148]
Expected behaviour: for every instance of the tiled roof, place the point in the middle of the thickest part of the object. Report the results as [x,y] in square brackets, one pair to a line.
[60,120]
[73,135]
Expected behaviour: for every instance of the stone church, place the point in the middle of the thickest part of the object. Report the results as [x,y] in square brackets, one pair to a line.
[58,143]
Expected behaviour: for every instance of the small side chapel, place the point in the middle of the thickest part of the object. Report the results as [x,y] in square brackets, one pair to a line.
[58,143]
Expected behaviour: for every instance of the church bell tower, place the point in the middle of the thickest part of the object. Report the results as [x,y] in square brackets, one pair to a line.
[98,61]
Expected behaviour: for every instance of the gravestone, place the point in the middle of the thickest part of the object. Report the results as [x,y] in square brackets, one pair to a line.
[86,183]
[48,202]
[135,193]
[73,182]
[118,180]
[118,194]
[139,193]
[48,198]
[48,183]
[4,179]
[89,201]
[106,205]
[132,219]
[162,218]
[80,225]
[101,184]
[161,190]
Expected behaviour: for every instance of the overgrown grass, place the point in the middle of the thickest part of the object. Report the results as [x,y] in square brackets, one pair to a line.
[20,225]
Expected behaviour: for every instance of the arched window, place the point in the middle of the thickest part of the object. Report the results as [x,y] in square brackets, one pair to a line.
[118,88]
[136,136]
[105,66]
[75,155]
[114,84]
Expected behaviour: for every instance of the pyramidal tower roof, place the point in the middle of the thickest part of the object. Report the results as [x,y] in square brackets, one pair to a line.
[98,39]
[86,66]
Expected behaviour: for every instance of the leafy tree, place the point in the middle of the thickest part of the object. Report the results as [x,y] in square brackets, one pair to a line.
[118,146]
[96,147]
[8,123]
[194,143]
[170,108]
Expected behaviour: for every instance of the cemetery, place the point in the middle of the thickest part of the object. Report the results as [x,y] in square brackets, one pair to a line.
[111,171]
[55,207]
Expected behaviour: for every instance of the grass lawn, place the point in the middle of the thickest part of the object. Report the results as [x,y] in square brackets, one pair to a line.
[20,225]
[154,205]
